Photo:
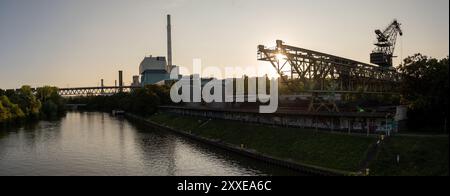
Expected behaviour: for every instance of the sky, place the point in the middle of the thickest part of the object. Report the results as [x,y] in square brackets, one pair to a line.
[75,43]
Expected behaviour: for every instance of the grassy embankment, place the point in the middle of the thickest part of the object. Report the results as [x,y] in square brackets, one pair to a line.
[328,150]
[419,156]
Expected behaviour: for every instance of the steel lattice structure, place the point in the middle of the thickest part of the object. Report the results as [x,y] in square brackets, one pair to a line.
[304,70]
[320,72]
[94,91]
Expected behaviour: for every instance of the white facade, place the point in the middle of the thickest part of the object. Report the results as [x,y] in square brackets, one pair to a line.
[153,64]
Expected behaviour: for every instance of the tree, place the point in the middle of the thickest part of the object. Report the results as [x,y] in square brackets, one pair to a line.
[163,92]
[5,114]
[9,111]
[144,101]
[53,104]
[17,104]
[424,89]
[26,100]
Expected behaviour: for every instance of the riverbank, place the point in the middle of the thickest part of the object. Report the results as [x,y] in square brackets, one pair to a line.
[313,152]
[319,153]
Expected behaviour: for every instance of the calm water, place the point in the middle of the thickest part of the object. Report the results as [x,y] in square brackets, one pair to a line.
[99,144]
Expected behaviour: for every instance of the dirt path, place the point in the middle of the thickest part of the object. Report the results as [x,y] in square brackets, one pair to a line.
[371,154]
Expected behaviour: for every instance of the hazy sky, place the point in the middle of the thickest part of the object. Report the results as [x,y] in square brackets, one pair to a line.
[78,42]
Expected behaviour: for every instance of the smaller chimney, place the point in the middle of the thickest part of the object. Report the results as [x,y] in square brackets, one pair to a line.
[102,85]
[120,81]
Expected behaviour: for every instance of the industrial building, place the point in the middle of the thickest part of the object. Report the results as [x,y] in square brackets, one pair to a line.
[156,70]
[136,82]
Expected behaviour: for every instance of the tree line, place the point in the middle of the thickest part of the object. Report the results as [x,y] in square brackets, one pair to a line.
[26,104]
[424,89]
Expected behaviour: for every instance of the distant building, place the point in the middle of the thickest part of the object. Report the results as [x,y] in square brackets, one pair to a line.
[136,81]
[153,70]
[156,70]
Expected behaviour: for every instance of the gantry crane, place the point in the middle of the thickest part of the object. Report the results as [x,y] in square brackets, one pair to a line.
[384,52]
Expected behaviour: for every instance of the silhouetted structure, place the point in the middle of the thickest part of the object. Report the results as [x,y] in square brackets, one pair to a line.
[384,52]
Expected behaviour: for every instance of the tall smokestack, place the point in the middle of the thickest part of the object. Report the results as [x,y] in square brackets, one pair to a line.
[169,43]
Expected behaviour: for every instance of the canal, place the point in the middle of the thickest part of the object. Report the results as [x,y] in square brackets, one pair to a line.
[91,143]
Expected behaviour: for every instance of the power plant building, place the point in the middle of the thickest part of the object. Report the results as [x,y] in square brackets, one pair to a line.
[154,70]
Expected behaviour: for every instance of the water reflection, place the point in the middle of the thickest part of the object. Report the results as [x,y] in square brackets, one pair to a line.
[85,143]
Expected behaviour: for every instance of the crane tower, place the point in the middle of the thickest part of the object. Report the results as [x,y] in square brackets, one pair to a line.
[384,52]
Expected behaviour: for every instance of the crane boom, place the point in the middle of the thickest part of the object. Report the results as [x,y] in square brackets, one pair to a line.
[384,52]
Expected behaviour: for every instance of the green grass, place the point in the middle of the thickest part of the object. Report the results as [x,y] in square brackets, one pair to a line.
[334,151]
[419,156]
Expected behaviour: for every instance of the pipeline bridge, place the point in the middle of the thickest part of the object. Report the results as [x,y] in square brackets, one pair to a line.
[91,91]
[95,91]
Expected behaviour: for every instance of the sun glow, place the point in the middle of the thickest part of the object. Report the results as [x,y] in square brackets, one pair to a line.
[280,56]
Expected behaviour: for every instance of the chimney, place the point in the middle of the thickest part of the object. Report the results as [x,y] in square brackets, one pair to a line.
[102,85]
[169,44]
[120,80]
